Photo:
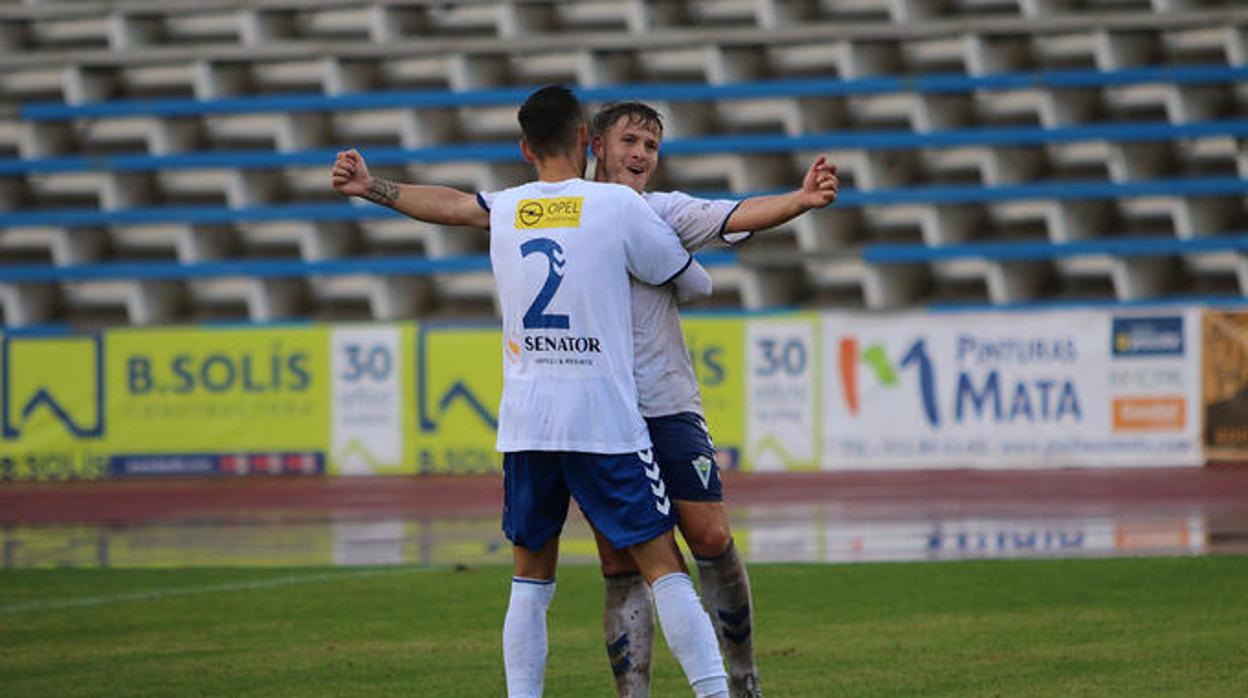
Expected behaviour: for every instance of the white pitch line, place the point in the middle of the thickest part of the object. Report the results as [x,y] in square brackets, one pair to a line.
[109,599]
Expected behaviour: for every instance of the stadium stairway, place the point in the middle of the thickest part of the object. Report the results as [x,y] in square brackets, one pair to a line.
[392,285]
[179,133]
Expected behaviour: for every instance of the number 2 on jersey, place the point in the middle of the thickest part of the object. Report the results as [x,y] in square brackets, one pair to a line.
[536,317]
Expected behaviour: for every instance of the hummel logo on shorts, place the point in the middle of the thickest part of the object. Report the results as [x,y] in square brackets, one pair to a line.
[657,486]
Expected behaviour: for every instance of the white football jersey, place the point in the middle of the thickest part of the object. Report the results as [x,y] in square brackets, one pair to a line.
[562,254]
[663,370]
[666,381]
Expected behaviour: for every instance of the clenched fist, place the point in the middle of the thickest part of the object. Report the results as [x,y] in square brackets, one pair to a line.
[820,185]
[350,174]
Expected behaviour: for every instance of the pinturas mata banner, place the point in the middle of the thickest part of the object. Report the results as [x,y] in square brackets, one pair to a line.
[1091,388]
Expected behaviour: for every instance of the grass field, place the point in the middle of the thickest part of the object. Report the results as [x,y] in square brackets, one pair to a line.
[1118,627]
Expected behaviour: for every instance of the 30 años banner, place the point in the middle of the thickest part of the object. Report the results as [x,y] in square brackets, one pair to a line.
[998,390]
[781,401]
[369,398]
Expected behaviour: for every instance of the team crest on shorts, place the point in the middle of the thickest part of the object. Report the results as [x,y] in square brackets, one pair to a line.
[702,466]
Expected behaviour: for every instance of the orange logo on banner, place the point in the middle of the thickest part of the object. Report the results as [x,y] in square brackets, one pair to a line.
[1152,535]
[1150,413]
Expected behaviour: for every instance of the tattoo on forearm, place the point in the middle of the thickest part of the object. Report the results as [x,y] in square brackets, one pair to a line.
[383,191]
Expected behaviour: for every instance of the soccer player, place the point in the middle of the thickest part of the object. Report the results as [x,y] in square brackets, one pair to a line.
[626,140]
[626,137]
[563,251]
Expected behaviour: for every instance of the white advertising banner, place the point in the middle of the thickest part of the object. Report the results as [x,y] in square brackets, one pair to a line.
[1000,390]
[367,399]
[781,389]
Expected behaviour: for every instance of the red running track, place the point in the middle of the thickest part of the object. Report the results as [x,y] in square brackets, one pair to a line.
[904,493]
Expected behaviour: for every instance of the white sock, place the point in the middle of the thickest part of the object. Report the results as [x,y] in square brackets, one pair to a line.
[689,634]
[713,687]
[524,636]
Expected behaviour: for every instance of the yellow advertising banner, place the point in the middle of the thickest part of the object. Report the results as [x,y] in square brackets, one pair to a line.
[717,347]
[458,382]
[52,407]
[179,401]
[202,390]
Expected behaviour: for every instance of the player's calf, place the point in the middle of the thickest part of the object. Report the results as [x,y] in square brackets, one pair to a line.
[688,630]
[726,592]
[628,626]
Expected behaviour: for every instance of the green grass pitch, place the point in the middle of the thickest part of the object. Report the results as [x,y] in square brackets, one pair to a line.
[1116,627]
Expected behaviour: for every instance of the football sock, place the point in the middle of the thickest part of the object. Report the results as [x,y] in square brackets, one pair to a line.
[689,634]
[710,688]
[628,627]
[524,636]
[726,593]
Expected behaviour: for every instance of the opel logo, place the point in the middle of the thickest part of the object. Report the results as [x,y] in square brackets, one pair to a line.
[531,213]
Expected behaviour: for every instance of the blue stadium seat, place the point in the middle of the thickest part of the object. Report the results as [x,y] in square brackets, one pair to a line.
[1006,152]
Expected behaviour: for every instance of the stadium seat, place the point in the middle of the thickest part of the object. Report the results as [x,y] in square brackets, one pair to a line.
[185,134]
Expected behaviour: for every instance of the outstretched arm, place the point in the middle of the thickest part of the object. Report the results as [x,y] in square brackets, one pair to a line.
[428,203]
[819,188]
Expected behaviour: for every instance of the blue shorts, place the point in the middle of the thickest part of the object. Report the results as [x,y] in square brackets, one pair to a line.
[686,456]
[623,495]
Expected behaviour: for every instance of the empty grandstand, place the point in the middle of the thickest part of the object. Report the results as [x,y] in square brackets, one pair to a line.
[167,161]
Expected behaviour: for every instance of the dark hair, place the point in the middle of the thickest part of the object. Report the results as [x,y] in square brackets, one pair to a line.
[550,119]
[638,114]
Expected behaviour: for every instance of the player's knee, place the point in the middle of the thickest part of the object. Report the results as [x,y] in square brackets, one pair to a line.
[616,563]
[613,568]
[710,541]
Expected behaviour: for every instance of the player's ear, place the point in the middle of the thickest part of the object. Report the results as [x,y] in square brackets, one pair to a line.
[526,152]
[595,144]
[583,136]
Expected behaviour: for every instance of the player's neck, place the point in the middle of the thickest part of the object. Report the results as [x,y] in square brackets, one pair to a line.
[558,169]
